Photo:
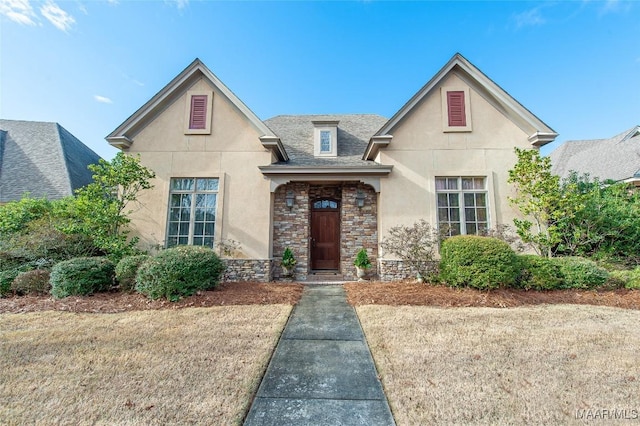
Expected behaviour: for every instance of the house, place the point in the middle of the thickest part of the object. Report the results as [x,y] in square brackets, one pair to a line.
[323,185]
[616,158]
[42,159]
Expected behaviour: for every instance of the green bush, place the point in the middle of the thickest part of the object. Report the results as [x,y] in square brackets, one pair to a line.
[538,273]
[580,273]
[178,272]
[82,276]
[32,282]
[6,278]
[626,279]
[126,271]
[479,262]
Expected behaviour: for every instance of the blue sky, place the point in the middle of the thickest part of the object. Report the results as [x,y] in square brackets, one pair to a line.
[88,65]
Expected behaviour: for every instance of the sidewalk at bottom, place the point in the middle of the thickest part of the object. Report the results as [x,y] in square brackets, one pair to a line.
[322,372]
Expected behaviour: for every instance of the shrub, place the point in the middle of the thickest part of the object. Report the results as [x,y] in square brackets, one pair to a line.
[538,273]
[626,279]
[580,273]
[288,260]
[178,272]
[32,282]
[82,276]
[6,278]
[126,271]
[416,246]
[362,259]
[479,262]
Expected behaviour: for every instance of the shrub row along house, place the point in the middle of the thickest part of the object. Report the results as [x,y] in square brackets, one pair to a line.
[323,185]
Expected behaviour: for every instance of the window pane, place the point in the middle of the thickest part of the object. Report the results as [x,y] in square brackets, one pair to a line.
[176,199]
[455,215]
[471,228]
[442,200]
[467,183]
[482,228]
[183,241]
[482,214]
[208,242]
[172,241]
[197,241]
[183,229]
[207,185]
[478,183]
[443,215]
[198,228]
[185,214]
[470,214]
[441,183]
[173,228]
[208,229]
[325,141]
[182,184]
[468,200]
[454,229]
[453,200]
[481,200]
[452,183]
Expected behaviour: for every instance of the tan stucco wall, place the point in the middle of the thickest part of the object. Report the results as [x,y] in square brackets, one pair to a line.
[421,150]
[232,152]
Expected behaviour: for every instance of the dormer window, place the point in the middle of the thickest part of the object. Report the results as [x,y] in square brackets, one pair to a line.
[325,138]
[198,112]
[456,109]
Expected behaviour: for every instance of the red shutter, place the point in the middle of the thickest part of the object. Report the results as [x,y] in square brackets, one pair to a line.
[198,119]
[455,105]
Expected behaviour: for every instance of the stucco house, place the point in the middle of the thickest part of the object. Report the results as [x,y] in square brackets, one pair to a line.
[616,158]
[324,185]
[43,159]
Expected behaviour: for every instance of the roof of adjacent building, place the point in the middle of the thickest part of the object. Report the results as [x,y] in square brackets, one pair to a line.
[42,159]
[354,132]
[616,158]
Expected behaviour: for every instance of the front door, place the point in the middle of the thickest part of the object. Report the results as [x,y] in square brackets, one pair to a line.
[325,234]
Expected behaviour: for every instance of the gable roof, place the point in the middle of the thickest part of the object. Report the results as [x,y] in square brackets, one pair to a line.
[122,136]
[539,133]
[616,158]
[43,159]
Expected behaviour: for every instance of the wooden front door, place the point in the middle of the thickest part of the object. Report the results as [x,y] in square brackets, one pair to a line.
[325,235]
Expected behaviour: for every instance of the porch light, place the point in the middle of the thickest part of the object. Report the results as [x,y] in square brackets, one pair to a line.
[360,199]
[289,199]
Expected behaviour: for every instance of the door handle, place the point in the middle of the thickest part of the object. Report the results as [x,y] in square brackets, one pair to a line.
[313,242]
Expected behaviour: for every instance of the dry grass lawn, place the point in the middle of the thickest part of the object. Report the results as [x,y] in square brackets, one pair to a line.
[528,365]
[191,366]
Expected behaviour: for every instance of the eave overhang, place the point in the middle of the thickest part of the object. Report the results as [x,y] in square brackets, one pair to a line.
[120,142]
[280,175]
[375,143]
[539,139]
[274,144]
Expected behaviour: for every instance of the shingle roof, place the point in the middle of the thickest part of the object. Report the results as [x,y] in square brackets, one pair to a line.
[354,131]
[617,158]
[43,159]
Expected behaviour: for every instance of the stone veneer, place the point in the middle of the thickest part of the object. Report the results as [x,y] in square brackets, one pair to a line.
[358,226]
[247,270]
[394,270]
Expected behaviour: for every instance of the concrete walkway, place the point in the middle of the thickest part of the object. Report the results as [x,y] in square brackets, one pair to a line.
[322,372]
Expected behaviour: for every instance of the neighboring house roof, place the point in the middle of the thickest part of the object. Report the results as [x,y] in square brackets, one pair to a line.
[354,131]
[122,137]
[539,133]
[616,158]
[43,159]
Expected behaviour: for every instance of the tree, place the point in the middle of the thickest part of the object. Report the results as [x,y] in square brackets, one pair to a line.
[545,207]
[103,205]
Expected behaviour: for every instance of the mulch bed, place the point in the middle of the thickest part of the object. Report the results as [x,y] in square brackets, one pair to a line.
[360,293]
[410,293]
[225,294]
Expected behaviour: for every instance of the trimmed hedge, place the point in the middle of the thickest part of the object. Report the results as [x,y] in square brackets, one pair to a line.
[479,262]
[179,272]
[627,279]
[538,273]
[580,273]
[126,271]
[82,276]
[32,282]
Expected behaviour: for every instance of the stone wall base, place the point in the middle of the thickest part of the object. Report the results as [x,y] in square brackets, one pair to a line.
[248,270]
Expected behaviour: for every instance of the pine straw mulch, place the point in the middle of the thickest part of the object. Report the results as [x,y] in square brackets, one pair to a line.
[245,293]
[360,293]
[411,293]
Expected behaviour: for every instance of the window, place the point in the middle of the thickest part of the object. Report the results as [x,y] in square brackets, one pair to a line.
[325,141]
[325,204]
[192,211]
[198,112]
[462,205]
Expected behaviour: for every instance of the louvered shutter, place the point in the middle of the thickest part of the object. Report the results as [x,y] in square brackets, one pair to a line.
[198,117]
[455,106]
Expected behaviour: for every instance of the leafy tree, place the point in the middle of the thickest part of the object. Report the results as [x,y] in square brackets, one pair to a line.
[539,198]
[103,204]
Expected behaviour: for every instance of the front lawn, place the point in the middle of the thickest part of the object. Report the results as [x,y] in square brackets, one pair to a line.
[186,366]
[548,364]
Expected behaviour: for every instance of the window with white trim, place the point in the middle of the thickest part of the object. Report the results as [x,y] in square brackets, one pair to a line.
[462,205]
[325,141]
[192,211]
